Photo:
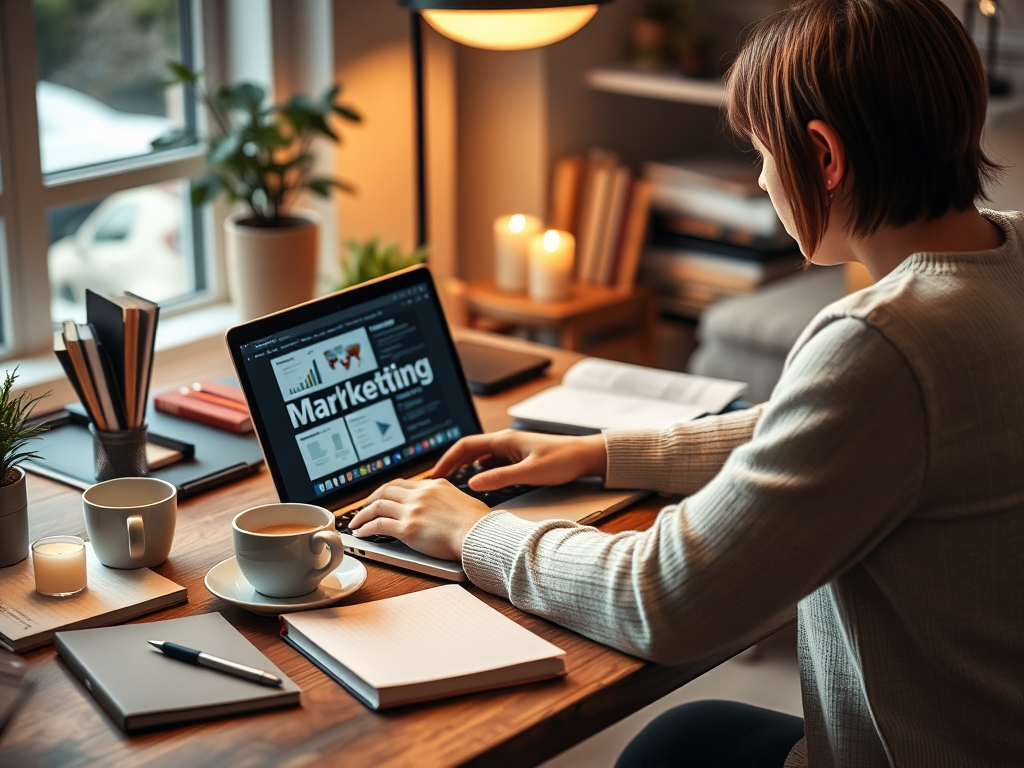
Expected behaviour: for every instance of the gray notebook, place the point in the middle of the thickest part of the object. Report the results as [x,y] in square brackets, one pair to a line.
[141,688]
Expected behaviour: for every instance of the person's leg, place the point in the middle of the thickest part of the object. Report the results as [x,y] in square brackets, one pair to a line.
[714,734]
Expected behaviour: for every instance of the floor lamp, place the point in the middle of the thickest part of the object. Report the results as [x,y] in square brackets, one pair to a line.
[501,25]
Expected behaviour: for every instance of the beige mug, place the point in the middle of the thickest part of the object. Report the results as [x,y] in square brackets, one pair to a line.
[286,550]
[131,520]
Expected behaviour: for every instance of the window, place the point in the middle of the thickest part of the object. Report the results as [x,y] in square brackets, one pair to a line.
[86,202]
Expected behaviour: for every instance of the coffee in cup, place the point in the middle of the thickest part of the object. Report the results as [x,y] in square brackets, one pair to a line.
[131,520]
[286,550]
[286,528]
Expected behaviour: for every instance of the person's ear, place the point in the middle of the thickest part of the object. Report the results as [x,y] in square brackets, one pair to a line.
[829,153]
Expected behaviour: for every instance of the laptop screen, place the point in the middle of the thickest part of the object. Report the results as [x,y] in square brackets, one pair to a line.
[354,389]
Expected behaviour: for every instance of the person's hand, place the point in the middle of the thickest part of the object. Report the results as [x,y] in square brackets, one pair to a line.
[431,516]
[528,458]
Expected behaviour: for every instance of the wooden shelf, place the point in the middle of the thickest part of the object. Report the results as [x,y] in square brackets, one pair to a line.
[672,87]
[657,85]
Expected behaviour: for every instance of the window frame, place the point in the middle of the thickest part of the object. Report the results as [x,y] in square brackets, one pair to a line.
[26,194]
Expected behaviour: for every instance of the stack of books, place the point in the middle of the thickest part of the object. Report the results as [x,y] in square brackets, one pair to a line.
[109,358]
[606,209]
[714,233]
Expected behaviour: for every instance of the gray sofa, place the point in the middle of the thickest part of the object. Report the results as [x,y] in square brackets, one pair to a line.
[746,338]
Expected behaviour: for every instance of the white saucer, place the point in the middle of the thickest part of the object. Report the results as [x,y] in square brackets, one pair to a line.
[226,581]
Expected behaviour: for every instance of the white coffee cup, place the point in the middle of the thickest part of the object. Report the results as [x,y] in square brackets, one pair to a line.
[130,520]
[291,558]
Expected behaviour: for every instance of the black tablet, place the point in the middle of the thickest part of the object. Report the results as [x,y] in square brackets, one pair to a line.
[491,369]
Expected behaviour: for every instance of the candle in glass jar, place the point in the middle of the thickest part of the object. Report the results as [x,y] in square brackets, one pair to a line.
[551,260]
[59,564]
[511,247]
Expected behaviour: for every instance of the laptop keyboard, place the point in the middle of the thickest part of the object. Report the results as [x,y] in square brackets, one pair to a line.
[460,479]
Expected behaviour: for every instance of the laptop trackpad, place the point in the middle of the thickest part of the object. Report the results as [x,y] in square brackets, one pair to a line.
[584,499]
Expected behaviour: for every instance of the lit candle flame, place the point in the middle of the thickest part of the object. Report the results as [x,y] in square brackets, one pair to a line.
[551,241]
[517,223]
[987,7]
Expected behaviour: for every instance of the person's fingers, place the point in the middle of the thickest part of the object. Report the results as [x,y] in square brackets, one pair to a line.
[376,509]
[381,526]
[396,490]
[402,482]
[500,477]
[466,451]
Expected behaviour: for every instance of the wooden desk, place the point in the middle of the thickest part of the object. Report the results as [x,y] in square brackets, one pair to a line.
[61,724]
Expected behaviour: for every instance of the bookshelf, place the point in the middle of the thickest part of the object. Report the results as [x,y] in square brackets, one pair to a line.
[656,85]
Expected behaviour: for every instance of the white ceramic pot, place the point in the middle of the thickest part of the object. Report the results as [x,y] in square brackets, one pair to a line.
[271,268]
[14,521]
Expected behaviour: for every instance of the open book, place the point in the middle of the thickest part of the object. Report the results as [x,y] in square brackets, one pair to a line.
[425,645]
[600,394]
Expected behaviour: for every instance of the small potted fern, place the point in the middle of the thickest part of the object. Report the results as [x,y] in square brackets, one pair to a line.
[369,259]
[15,437]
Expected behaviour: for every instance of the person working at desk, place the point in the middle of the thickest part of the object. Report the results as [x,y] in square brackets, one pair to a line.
[882,485]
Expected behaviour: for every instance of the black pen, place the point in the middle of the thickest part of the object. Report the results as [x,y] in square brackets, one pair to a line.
[192,656]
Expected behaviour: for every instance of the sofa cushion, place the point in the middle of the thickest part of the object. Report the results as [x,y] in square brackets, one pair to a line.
[770,319]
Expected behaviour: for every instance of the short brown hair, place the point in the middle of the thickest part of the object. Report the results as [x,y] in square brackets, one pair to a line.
[902,84]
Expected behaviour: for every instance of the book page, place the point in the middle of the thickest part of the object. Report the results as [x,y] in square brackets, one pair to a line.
[600,410]
[25,613]
[433,634]
[710,395]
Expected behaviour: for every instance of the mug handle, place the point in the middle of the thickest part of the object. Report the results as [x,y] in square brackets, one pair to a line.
[331,540]
[136,537]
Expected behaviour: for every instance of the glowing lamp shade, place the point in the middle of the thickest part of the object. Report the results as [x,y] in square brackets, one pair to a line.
[509,30]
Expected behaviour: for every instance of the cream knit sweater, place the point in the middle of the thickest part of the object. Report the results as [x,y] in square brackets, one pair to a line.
[881,488]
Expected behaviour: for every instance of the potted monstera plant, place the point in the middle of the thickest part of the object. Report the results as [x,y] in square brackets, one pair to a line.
[262,155]
[15,437]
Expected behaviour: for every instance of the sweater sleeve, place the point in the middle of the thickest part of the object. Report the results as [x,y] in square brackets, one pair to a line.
[680,459]
[836,463]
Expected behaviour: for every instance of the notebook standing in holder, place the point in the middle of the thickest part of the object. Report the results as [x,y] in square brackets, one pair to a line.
[364,386]
[420,646]
[140,687]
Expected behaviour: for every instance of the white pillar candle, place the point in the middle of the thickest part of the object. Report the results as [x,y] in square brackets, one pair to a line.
[59,563]
[551,259]
[511,245]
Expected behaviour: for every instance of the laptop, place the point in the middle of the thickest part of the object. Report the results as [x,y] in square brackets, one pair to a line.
[364,386]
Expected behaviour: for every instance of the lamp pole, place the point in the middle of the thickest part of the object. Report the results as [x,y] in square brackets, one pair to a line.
[561,18]
[416,28]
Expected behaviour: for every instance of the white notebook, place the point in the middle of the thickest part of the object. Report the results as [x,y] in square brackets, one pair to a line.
[425,645]
[28,619]
[600,394]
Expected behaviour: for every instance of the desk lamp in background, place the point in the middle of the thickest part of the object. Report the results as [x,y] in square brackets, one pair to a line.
[500,25]
[997,86]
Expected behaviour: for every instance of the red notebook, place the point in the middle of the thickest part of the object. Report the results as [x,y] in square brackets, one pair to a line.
[221,409]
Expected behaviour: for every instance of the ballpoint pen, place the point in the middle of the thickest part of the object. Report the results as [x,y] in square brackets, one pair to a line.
[192,656]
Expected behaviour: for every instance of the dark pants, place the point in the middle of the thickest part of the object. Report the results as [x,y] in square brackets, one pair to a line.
[714,734]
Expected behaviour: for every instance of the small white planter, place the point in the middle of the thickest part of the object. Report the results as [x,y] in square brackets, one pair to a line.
[271,268]
[14,521]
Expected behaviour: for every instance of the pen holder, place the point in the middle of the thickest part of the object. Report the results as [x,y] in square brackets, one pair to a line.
[121,453]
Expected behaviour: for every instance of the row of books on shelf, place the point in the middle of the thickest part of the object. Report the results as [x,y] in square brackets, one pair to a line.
[714,233]
[606,208]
